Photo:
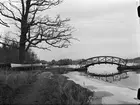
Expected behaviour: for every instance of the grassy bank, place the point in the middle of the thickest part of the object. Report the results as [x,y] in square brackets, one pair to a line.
[18,87]
[59,70]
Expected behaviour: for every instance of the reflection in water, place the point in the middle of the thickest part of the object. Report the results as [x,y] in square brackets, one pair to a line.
[103,68]
[132,82]
[120,95]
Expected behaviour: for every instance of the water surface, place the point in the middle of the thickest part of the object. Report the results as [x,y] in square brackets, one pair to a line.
[132,82]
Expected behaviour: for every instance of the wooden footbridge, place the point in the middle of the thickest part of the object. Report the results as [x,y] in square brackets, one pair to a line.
[122,63]
[84,64]
[103,60]
[123,67]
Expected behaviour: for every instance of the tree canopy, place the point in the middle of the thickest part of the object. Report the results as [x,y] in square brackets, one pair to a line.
[34,26]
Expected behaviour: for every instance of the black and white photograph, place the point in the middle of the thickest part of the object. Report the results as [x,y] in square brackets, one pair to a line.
[69,52]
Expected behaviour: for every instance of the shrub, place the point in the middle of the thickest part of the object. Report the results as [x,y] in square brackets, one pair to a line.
[6,94]
[59,90]
[53,90]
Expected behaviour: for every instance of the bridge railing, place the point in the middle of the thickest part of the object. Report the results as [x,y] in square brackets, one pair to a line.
[104,59]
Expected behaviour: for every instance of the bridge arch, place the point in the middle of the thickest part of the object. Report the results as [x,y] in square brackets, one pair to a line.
[103,60]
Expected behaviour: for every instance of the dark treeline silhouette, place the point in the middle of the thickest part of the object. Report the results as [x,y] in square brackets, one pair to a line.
[65,61]
[134,60]
[10,54]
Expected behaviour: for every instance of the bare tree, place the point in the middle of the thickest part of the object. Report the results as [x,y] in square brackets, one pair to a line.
[34,27]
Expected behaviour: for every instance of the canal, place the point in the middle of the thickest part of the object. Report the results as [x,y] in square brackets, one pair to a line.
[133,80]
[123,91]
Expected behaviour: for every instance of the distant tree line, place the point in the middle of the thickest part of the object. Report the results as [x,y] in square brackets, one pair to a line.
[63,62]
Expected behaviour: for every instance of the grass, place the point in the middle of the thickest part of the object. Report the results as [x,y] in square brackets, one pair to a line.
[55,90]
[59,70]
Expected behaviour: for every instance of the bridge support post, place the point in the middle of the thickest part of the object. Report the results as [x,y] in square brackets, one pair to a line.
[138,94]
[113,77]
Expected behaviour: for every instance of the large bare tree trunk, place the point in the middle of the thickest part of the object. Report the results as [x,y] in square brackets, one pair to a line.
[22,41]
[22,48]
[22,53]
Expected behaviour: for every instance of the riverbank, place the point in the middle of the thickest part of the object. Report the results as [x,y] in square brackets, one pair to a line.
[37,87]
[109,93]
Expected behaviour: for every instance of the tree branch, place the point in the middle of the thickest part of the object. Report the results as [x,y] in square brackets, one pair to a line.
[15,7]
[23,7]
[5,8]
[3,23]
[44,48]
[55,36]
[8,45]
[44,3]
[38,29]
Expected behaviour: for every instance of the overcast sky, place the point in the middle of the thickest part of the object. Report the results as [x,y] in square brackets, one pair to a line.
[104,27]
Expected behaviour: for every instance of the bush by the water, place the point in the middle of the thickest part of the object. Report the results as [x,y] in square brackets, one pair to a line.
[6,94]
[69,92]
[59,70]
